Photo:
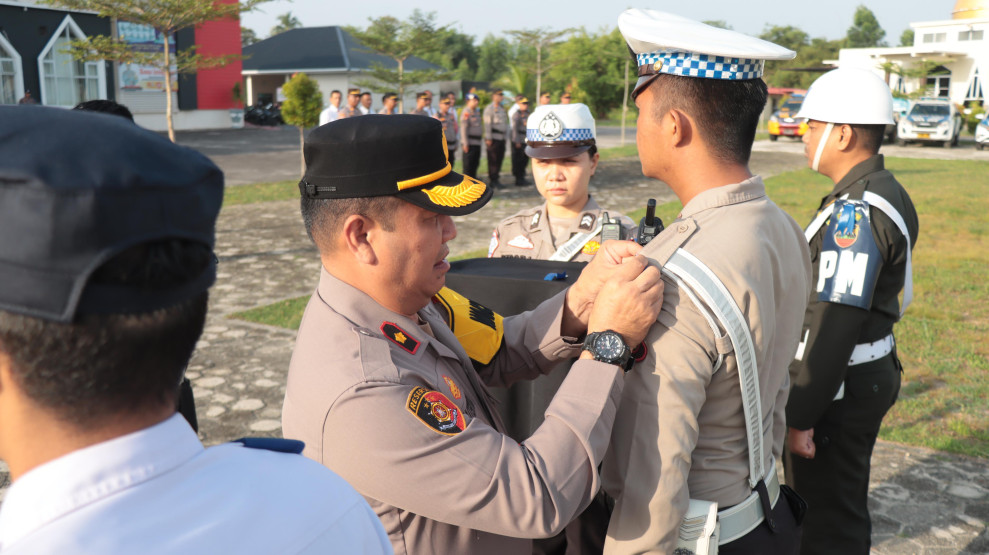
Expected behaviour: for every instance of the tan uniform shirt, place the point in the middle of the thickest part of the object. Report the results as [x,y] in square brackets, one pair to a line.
[680,432]
[471,130]
[404,418]
[450,127]
[527,234]
[495,122]
[348,112]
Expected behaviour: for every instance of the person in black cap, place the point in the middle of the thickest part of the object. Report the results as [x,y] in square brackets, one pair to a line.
[106,255]
[384,392]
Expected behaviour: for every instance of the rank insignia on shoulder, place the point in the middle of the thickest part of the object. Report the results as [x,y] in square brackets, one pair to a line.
[591,248]
[400,337]
[535,220]
[587,221]
[454,390]
[521,242]
[436,411]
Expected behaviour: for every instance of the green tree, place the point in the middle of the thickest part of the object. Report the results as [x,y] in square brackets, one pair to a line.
[906,39]
[453,50]
[286,21]
[493,56]
[787,36]
[865,31]
[247,37]
[303,103]
[719,23]
[592,67]
[166,17]
[540,40]
[398,40]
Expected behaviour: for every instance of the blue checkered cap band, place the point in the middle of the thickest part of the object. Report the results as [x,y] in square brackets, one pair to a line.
[568,135]
[691,64]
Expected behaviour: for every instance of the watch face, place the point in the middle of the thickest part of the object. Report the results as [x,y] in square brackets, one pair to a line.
[609,346]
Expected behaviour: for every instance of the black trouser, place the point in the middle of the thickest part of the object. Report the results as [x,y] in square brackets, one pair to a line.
[519,161]
[452,155]
[835,483]
[471,160]
[784,540]
[584,536]
[496,155]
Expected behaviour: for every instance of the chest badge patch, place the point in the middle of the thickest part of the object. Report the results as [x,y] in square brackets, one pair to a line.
[591,248]
[587,222]
[847,230]
[521,242]
[454,390]
[535,220]
[436,411]
[400,337]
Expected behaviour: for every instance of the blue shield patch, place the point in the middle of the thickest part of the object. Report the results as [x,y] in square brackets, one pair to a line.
[850,259]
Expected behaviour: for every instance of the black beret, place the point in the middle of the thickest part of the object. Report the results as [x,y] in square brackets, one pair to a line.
[77,188]
[403,155]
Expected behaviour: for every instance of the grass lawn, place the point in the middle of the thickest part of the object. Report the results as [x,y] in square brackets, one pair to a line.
[942,338]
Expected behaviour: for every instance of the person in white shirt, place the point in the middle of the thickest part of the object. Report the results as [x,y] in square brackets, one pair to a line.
[332,111]
[98,320]
[365,105]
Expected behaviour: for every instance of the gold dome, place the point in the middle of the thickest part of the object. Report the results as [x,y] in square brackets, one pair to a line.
[970,9]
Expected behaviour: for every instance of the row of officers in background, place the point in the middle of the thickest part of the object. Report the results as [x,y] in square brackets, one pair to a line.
[498,130]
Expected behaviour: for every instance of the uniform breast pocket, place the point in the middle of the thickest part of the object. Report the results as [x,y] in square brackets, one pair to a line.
[869,394]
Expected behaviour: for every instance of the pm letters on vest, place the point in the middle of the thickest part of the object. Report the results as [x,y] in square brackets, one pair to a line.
[850,259]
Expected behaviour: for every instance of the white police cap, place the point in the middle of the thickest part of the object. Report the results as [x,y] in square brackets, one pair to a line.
[666,43]
[559,131]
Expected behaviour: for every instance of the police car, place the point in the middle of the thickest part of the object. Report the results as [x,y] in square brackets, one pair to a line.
[930,120]
[784,121]
[982,133]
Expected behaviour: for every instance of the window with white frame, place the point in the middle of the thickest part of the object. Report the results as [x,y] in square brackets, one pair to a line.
[11,73]
[935,37]
[66,81]
[970,35]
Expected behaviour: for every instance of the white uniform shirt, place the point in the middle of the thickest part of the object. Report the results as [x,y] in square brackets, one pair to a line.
[331,113]
[159,491]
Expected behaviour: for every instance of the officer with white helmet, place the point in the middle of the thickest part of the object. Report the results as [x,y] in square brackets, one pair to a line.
[846,371]
[692,459]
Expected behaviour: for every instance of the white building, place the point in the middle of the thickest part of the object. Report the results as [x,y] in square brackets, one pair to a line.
[957,51]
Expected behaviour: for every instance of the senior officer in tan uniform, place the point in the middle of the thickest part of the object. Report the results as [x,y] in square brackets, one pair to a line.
[681,431]
[561,142]
[382,391]
[495,132]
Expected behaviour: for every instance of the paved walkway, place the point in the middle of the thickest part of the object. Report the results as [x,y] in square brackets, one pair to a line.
[922,501]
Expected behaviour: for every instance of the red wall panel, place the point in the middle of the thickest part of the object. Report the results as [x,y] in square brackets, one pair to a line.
[215,86]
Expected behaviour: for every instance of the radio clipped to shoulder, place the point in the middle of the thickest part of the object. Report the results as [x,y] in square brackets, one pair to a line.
[650,225]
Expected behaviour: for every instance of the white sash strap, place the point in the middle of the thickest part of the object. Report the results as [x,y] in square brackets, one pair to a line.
[715,295]
[572,247]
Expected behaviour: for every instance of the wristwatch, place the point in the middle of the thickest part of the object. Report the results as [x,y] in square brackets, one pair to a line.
[609,346]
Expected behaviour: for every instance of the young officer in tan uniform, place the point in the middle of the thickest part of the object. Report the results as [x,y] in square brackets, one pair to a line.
[681,430]
[561,142]
[351,109]
[495,132]
[382,391]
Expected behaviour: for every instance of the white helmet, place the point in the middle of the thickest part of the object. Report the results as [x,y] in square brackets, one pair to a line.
[851,96]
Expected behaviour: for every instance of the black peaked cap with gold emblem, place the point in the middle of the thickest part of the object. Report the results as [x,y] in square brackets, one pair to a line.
[403,155]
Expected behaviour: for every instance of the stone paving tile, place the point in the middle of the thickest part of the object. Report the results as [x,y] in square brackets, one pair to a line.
[922,501]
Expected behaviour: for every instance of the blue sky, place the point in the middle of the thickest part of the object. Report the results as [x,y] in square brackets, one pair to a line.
[830,18]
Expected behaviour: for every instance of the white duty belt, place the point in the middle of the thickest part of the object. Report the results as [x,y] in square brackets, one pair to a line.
[697,280]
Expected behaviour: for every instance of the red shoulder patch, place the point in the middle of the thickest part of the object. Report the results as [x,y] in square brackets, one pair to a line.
[436,411]
[400,337]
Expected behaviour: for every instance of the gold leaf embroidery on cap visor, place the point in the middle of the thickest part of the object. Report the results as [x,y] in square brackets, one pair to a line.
[468,191]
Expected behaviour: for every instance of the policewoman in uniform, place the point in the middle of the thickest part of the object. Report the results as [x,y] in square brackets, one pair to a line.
[701,421]
[381,386]
[471,132]
[846,370]
[560,139]
[106,256]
